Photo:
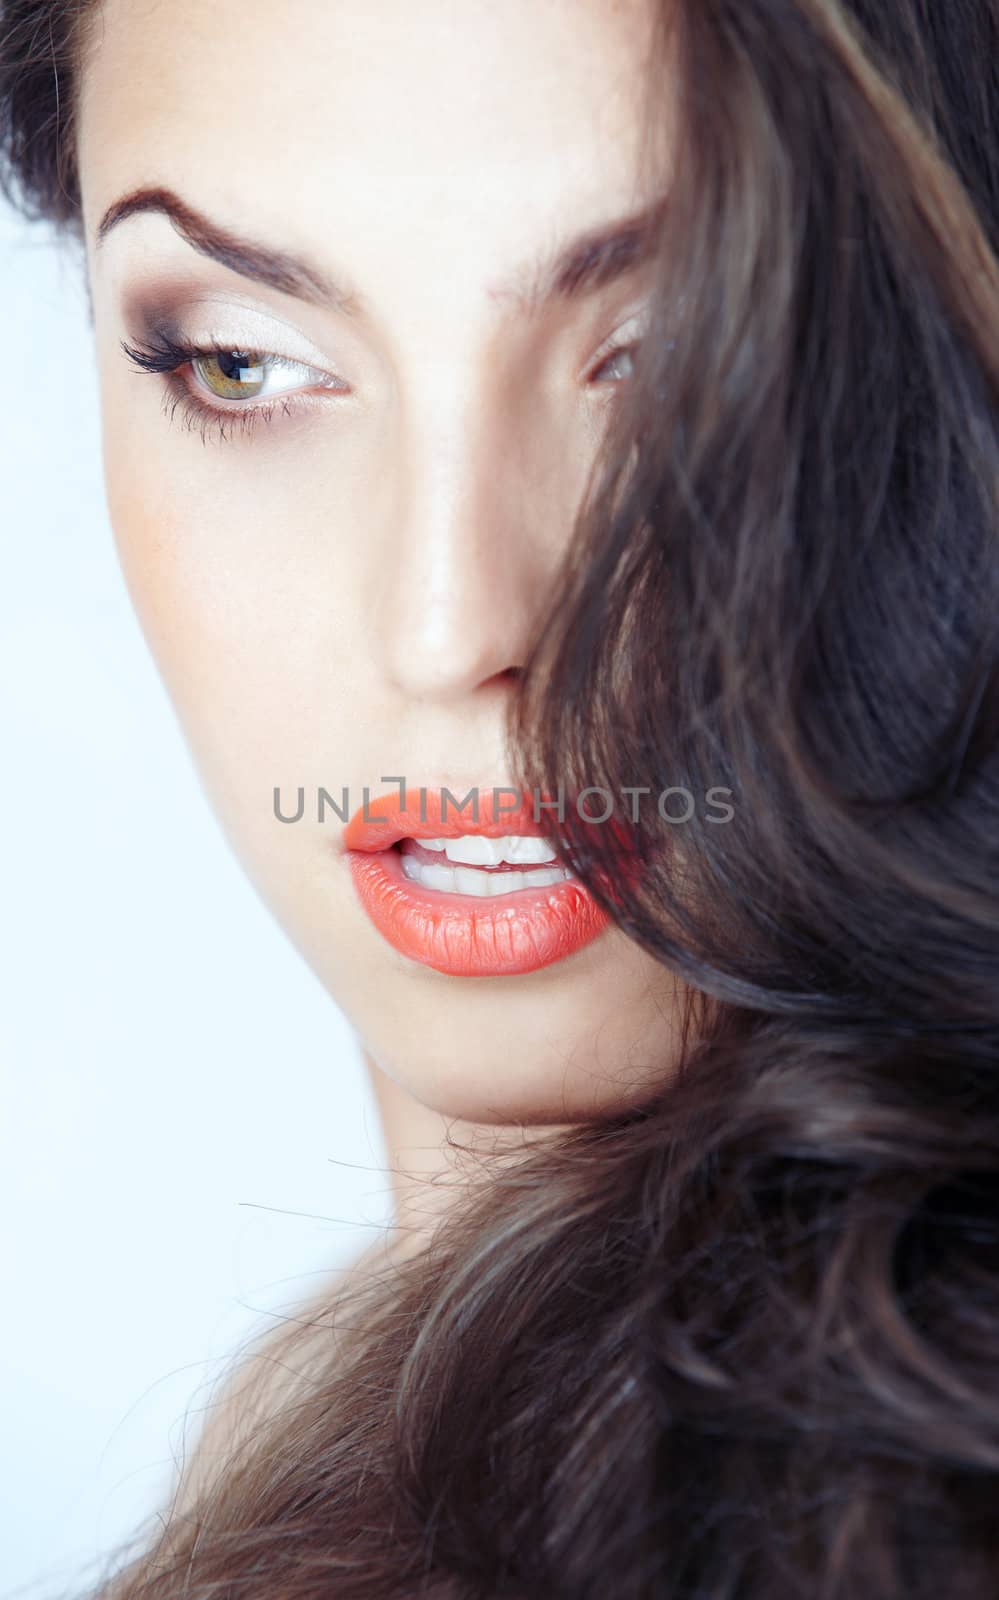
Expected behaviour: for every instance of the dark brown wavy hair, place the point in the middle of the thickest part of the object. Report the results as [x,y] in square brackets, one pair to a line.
[741,1343]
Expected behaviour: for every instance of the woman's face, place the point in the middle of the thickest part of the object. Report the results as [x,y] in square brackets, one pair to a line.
[340,534]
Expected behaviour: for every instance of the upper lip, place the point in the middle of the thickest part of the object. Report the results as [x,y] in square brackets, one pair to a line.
[422,817]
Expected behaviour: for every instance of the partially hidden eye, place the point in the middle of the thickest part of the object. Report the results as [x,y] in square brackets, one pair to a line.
[622,353]
[247,374]
[616,363]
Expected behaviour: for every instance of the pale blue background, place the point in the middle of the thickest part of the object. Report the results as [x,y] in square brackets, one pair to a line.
[187,1137]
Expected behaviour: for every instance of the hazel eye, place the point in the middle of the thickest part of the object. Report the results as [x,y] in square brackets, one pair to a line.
[247,374]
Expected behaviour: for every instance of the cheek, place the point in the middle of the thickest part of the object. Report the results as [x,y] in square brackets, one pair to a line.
[245,660]
[223,561]
[224,550]
[189,611]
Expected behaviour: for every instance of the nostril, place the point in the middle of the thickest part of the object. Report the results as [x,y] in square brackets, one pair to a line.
[509,675]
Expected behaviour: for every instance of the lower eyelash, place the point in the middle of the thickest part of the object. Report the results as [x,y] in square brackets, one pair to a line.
[199,417]
[167,357]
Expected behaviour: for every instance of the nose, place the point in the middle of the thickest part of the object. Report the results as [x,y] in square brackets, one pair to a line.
[469,550]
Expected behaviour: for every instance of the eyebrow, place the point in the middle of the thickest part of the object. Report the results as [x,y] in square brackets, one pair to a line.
[592,260]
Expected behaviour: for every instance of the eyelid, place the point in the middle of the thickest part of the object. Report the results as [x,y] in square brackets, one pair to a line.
[226,321]
[637,324]
[268,344]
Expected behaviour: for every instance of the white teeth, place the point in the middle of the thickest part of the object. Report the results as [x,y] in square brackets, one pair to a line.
[524,848]
[474,850]
[468,880]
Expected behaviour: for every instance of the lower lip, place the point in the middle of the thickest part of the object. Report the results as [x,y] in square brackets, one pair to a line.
[502,936]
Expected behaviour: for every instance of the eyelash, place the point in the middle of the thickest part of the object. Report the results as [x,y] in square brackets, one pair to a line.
[168,357]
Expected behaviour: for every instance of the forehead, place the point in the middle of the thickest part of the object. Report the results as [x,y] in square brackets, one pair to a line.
[442,131]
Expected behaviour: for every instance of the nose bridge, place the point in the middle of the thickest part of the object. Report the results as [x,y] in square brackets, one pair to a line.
[463,571]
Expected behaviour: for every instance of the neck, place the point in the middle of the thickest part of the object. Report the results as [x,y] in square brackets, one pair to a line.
[428,1176]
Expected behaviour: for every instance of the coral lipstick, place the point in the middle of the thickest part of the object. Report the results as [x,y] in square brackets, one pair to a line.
[433,880]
